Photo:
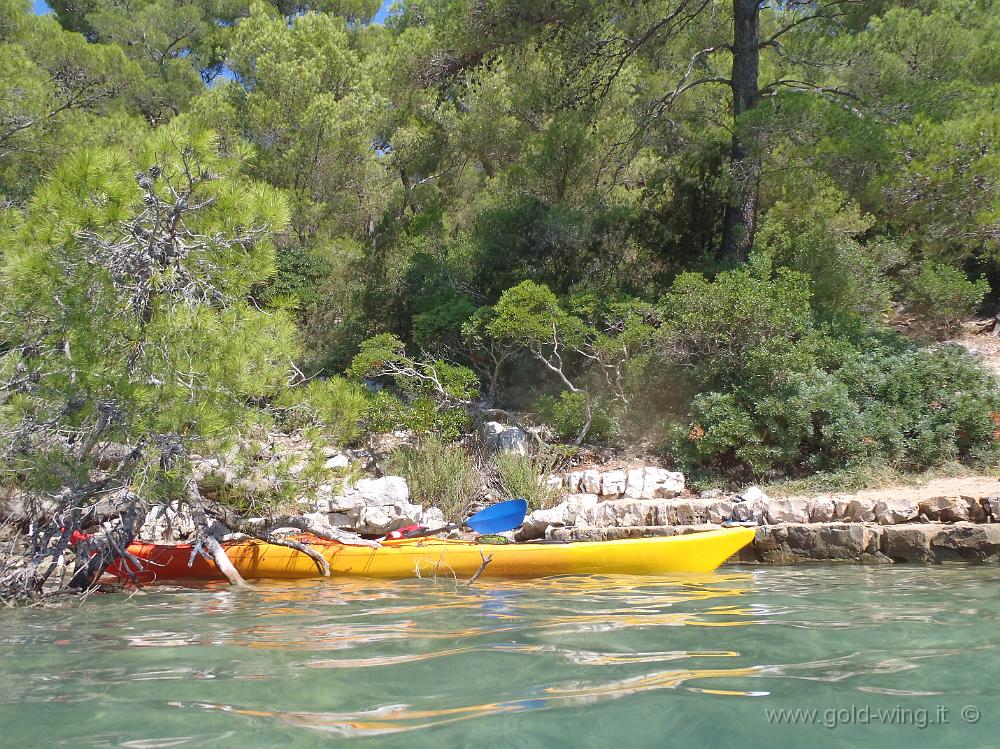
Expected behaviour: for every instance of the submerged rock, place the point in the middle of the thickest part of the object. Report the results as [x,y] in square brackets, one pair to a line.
[788,543]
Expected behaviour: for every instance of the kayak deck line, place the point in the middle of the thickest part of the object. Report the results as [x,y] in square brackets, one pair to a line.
[406,558]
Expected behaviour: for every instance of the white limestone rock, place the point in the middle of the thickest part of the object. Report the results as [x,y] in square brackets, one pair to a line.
[631,513]
[590,482]
[613,484]
[751,494]
[340,520]
[633,483]
[691,512]
[553,481]
[855,510]
[572,481]
[719,511]
[337,461]
[659,483]
[993,503]
[787,511]
[504,438]
[755,510]
[945,509]
[821,510]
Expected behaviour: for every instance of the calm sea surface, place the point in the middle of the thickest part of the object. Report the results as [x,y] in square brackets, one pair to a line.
[823,656]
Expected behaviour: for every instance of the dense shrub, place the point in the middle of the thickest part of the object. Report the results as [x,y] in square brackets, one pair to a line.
[565,415]
[817,230]
[921,407]
[943,297]
[793,397]
[807,424]
[745,325]
[439,474]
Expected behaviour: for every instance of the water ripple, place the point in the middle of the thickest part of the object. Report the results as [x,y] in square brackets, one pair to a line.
[557,660]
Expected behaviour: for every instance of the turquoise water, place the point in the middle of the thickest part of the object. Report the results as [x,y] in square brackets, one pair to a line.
[893,657]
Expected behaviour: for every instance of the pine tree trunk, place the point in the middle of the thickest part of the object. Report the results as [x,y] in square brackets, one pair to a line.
[740,222]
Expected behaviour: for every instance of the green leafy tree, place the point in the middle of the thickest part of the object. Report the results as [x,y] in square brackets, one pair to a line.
[309,106]
[529,318]
[54,88]
[133,340]
[177,46]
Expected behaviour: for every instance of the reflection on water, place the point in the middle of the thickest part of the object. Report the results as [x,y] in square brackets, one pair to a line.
[553,662]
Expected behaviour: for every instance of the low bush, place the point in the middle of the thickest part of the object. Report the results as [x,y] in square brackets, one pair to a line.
[790,397]
[522,477]
[921,407]
[943,297]
[387,413]
[439,474]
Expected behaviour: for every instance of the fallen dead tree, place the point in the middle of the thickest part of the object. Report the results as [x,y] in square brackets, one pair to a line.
[61,553]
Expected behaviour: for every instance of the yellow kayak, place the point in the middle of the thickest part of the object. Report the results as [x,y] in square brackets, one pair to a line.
[427,557]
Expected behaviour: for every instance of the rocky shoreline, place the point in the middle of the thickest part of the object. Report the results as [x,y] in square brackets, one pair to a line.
[856,528]
[927,524]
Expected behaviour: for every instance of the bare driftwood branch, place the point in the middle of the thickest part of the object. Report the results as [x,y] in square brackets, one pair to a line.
[204,542]
[321,564]
[487,558]
[307,524]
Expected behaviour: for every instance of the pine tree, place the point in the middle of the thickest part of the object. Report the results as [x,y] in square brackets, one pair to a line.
[132,339]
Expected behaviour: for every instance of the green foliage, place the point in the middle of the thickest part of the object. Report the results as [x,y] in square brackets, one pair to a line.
[805,423]
[943,297]
[792,397]
[148,345]
[595,347]
[300,275]
[337,407]
[529,314]
[54,90]
[747,324]
[565,414]
[389,413]
[384,355]
[468,209]
[439,474]
[922,407]
[375,354]
[442,323]
[521,477]
[308,104]
[820,234]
